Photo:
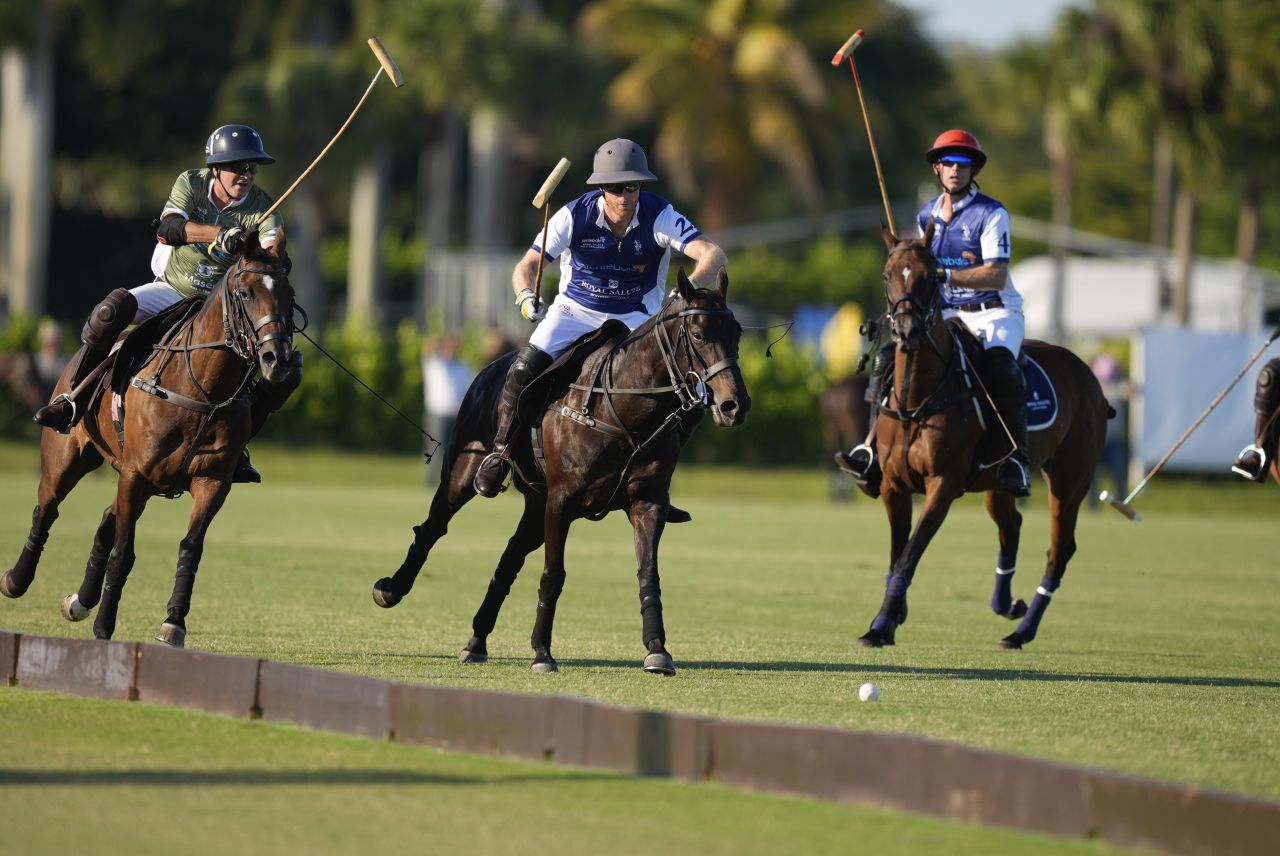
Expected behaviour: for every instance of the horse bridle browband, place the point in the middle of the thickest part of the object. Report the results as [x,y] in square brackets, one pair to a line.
[244,346]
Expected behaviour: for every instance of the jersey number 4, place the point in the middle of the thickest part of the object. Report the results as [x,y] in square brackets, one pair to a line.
[1004,243]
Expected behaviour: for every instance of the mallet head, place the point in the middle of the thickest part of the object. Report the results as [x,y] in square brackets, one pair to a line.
[387,63]
[848,47]
[549,186]
[1120,505]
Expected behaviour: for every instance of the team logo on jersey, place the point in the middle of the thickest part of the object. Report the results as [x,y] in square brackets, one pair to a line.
[968,233]
[639,249]
[595,243]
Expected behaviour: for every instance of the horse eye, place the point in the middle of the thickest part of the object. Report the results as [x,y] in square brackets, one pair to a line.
[244,293]
[697,335]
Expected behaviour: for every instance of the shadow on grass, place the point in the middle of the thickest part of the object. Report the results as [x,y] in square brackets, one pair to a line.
[269,778]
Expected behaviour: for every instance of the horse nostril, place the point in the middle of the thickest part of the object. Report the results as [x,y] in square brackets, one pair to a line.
[728,408]
[269,358]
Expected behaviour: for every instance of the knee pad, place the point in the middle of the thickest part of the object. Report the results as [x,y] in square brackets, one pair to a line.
[881,367]
[1267,395]
[109,317]
[529,363]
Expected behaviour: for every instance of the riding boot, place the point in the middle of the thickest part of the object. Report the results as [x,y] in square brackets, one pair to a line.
[106,322]
[528,364]
[860,462]
[1008,388]
[265,399]
[1252,461]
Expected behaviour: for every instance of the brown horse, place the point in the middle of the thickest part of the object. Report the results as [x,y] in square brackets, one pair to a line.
[929,441]
[186,419]
[608,436]
[845,418]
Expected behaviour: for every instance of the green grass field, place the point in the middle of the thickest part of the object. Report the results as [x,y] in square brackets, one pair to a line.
[1158,657]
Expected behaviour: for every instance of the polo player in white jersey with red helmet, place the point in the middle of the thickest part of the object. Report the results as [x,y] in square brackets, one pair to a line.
[971,244]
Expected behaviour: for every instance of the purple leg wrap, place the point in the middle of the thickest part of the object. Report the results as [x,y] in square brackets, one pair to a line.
[1002,594]
[1031,621]
[895,588]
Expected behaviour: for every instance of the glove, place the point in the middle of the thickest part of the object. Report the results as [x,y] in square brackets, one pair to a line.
[230,241]
[529,307]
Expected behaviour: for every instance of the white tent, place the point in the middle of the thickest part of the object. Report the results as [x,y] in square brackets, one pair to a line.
[1115,297]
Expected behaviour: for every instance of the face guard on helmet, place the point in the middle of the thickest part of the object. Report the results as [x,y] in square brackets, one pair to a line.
[234,143]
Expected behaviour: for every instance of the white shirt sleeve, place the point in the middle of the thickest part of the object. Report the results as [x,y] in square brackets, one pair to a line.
[559,233]
[673,229]
[995,237]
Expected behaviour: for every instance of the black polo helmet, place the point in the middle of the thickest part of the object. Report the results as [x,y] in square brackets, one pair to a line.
[232,143]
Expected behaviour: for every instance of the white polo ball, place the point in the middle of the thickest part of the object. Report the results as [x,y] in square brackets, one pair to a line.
[869,692]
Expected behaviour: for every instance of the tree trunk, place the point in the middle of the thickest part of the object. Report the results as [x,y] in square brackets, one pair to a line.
[488,223]
[1184,229]
[1060,166]
[304,234]
[26,148]
[1251,304]
[366,286]
[1162,184]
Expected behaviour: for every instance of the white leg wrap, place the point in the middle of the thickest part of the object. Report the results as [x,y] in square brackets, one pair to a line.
[1044,591]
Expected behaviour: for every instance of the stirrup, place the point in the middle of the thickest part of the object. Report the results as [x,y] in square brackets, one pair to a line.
[492,461]
[1241,466]
[61,427]
[1020,483]
[857,462]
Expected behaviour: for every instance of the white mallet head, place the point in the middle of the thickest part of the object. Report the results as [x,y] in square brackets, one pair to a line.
[869,692]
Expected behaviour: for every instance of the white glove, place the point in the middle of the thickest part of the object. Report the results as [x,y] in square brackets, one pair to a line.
[529,306]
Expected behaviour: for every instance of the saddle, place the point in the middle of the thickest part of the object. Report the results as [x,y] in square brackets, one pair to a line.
[568,366]
[1042,398]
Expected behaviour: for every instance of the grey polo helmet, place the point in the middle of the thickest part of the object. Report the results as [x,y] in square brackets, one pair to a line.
[232,143]
[619,161]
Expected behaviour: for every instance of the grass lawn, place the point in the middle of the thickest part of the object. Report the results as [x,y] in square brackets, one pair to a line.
[1158,657]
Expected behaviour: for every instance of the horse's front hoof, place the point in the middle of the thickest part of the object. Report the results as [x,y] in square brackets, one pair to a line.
[469,656]
[8,587]
[1012,642]
[1016,611]
[544,663]
[875,639]
[384,595]
[73,609]
[172,635]
[660,663]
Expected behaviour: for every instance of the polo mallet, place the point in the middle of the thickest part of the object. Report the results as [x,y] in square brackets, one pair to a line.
[1123,506]
[543,200]
[385,63]
[846,52]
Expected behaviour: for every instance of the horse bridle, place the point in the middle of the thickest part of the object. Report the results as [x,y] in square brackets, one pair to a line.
[240,331]
[920,312]
[691,387]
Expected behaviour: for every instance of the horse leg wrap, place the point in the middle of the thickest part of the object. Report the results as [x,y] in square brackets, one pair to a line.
[1002,594]
[652,628]
[1031,621]
[94,570]
[895,594]
[179,605]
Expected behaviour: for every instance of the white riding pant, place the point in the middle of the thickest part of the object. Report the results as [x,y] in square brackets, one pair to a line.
[999,327]
[567,320]
[154,298]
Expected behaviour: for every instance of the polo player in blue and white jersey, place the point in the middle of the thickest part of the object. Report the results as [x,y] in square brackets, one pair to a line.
[614,244]
[971,244]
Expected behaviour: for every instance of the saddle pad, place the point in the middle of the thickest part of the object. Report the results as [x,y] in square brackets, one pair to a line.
[1042,400]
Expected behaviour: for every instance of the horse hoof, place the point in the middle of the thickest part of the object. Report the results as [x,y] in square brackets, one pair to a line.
[383,595]
[172,635]
[73,609]
[1012,642]
[875,639]
[7,588]
[543,667]
[469,656]
[660,663]
[1016,611]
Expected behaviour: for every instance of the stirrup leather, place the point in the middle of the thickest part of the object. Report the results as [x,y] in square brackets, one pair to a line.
[1253,448]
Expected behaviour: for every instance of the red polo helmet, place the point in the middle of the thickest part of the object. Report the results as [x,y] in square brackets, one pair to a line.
[957,142]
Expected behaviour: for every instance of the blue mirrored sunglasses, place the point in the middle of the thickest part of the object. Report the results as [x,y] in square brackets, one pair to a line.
[956,160]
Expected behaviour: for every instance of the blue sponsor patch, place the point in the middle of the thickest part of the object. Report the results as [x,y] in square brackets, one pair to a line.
[1042,400]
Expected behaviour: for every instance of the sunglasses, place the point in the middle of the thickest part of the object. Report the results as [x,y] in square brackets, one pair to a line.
[956,160]
[621,189]
[240,167]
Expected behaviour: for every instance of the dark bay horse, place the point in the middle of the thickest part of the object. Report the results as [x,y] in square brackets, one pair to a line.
[929,439]
[609,439]
[185,422]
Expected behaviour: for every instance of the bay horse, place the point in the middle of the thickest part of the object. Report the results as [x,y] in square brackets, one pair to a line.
[608,441]
[186,419]
[928,440]
[845,418]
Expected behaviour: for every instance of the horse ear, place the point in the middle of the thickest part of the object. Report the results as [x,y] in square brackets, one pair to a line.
[683,285]
[928,232]
[890,240]
[277,248]
[722,282]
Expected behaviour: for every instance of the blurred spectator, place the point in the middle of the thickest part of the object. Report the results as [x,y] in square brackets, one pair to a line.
[445,379]
[47,364]
[1114,463]
[496,343]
